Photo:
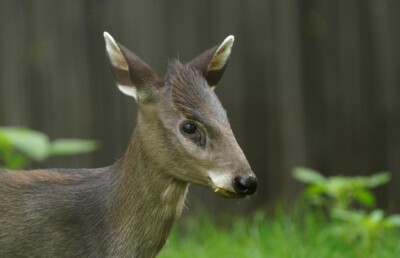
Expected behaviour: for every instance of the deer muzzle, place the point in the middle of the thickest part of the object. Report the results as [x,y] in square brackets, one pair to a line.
[234,186]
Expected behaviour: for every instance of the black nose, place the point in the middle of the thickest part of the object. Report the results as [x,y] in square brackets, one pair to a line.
[246,185]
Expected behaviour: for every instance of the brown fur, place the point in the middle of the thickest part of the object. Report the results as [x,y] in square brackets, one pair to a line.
[37,176]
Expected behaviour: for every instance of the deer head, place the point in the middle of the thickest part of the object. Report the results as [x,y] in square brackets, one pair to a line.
[181,123]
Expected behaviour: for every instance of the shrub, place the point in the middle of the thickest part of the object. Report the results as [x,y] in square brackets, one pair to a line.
[339,193]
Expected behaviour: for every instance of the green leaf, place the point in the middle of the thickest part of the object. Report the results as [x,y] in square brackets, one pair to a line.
[336,186]
[393,220]
[307,175]
[315,189]
[365,197]
[376,216]
[348,215]
[378,179]
[31,143]
[72,146]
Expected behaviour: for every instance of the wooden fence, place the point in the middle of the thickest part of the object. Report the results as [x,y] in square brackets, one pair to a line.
[311,82]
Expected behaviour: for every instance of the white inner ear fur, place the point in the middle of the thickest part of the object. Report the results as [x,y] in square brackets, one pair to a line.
[222,54]
[117,60]
[128,90]
[115,54]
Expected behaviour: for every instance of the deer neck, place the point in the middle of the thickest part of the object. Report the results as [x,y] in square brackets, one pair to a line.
[148,200]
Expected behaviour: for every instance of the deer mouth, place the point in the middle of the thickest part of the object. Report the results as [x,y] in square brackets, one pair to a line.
[221,185]
[227,193]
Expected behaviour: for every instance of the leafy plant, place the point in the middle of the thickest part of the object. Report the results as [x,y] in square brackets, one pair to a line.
[366,226]
[20,146]
[338,193]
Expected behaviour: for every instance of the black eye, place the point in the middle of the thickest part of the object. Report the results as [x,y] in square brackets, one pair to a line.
[189,127]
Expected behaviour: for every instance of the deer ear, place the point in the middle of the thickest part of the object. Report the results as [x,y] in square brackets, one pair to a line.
[134,77]
[213,62]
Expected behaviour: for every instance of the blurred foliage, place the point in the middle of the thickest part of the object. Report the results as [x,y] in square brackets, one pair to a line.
[21,146]
[364,226]
[340,191]
[340,194]
[298,232]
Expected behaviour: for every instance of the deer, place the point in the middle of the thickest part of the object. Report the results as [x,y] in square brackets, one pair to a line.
[182,136]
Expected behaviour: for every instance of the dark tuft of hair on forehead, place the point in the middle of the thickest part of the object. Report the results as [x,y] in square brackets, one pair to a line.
[191,94]
[188,88]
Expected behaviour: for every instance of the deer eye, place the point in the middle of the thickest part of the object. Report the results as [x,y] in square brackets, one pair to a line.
[188,127]
[193,132]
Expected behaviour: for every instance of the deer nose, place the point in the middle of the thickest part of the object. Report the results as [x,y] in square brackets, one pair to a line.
[245,185]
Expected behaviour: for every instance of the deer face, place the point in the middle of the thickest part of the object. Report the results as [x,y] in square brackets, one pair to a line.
[182,120]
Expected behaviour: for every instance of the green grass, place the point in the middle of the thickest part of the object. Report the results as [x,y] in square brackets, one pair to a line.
[297,234]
